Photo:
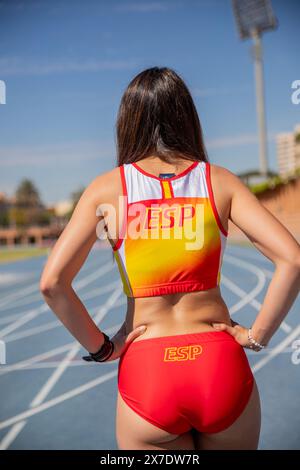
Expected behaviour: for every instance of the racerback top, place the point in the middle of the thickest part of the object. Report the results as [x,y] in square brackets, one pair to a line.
[171,238]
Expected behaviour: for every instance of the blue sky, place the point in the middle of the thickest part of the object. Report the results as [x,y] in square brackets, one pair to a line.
[66,65]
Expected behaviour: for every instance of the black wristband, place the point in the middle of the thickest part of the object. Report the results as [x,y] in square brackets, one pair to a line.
[104,352]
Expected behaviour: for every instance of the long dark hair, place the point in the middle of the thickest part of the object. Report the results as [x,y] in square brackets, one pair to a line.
[157,116]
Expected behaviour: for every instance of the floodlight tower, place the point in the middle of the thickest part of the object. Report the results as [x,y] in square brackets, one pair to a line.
[253,17]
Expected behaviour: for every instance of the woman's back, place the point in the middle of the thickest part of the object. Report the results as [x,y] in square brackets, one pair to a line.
[171,275]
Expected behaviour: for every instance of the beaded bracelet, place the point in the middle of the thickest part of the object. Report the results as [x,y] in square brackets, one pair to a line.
[254,344]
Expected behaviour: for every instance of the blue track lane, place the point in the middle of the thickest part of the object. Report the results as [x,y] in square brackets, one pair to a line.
[51,399]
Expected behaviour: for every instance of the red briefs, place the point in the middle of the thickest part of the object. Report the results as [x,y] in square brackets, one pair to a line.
[198,380]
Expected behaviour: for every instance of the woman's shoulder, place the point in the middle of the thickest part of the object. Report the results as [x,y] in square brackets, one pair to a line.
[223,177]
[220,171]
[107,177]
[105,186]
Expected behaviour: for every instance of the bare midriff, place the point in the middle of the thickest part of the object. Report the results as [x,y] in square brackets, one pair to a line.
[175,314]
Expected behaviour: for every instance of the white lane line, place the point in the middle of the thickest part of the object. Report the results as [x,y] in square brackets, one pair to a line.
[8,279]
[33,359]
[37,402]
[24,301]
[46,355]
[38,298]
[57,400]
[81,389]
[246,297]
[232,309]
[55,364]
[21,293]
[33,331]
[104,289]
[253,302]
[35,409]
[33,298]
[121,301]
[24,319]
[50,383]
[81,363]
[47,326]
[93,276]
[263,352]
[84,297]
[277,350]
[44,307]
[268,272]
[37,330]
[11,435]
[249,297]
[47,387]
[34,286]
[10,318]
[254,254]
[285,327]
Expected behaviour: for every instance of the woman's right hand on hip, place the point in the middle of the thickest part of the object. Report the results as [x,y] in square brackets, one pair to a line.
[122,340]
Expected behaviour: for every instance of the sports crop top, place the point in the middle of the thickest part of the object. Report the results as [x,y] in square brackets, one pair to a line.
[171,238]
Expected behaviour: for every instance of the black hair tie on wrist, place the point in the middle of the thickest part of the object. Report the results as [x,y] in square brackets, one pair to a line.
[104,352]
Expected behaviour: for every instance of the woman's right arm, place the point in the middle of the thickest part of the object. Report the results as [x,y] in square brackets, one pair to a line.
[66,259]
[273,239]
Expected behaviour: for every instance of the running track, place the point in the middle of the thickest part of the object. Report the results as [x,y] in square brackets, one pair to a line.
[52,399]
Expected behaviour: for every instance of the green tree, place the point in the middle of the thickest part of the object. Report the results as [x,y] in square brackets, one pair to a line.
[44,217]
[75,196]
[4,217]
[27,195]
[18,217]
[28,208]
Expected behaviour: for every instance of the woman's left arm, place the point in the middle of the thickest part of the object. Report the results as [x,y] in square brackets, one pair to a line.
[268,235]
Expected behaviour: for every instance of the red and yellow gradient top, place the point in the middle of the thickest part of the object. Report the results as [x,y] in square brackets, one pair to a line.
[172,239]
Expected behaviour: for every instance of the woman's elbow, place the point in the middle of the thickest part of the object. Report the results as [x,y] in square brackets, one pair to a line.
[297,263]
[47,286]
[295,260]
[50,285]
[292,261]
